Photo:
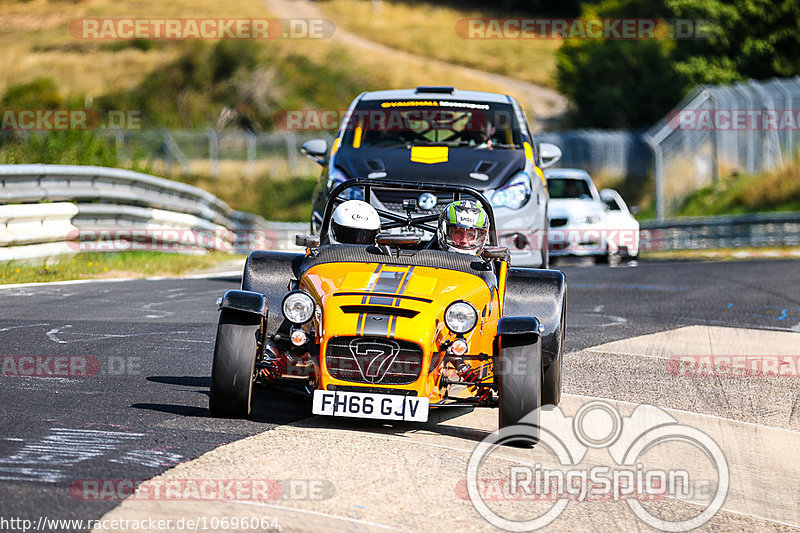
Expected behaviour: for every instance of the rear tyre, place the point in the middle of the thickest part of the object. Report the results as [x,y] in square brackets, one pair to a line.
[520,384]
[234,365]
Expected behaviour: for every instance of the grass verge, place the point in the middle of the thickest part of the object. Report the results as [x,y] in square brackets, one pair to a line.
[109,265]
[722,254]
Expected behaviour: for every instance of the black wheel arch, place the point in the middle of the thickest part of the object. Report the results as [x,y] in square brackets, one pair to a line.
[272,274]
[541,293]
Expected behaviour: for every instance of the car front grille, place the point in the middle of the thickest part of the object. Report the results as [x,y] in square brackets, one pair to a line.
[374,360]
[558,222]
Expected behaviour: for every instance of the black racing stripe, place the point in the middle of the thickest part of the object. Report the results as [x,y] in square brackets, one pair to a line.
[404,285]
[380,300]
[376,325]
[371,286]
[390,296]
[389,281]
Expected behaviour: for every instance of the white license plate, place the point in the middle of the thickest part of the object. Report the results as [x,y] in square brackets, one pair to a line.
[369,405]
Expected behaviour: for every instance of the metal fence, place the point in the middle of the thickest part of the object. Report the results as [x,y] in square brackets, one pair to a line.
[603,153]
[746,127]
[218,154]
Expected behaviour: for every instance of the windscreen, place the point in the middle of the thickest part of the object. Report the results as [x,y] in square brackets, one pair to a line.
[404,123]
[569,188]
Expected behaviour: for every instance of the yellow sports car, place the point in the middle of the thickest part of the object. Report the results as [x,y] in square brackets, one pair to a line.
[392,328]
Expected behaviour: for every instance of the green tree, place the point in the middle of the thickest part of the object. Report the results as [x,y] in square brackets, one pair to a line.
[633,83]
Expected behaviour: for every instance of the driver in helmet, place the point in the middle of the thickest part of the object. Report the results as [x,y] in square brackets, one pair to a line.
[463,227]
[354,222]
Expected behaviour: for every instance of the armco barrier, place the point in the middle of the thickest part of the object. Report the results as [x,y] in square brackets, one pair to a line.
[47,209]
[703,233]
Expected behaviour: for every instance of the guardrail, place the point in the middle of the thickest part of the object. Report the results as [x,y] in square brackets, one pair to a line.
[49,210]
[54,209]
[701,233]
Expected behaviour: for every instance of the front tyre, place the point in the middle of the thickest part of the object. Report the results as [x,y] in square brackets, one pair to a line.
[234,364]
[519,384]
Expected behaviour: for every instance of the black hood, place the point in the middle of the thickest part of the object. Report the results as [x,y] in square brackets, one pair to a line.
[498,165]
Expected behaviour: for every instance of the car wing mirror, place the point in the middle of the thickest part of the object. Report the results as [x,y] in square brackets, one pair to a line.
[394,239]
[549,155]
[307,241]
[495,252]
[316,150]
[634,209]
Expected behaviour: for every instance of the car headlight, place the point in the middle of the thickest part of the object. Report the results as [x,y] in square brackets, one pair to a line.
[336,177]
[298,307]
[588,219]
[460,317]
[515,193]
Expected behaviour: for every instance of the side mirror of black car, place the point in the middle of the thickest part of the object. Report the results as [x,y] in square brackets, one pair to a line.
[495,252]
[306,241]
[394,239]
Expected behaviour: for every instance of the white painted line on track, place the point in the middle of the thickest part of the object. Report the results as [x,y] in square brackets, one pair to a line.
[208,275]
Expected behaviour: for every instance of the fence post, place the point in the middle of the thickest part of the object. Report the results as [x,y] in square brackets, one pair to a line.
[714,140]
[213,152]
[251,154]
[658,169]
[291,150]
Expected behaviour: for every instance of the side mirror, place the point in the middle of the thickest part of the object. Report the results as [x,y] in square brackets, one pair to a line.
[307,241]
[316,149]
[394,239]
[549,155]
[634,209]
[495,252]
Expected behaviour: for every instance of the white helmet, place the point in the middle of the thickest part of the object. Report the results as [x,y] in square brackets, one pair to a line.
[354,222]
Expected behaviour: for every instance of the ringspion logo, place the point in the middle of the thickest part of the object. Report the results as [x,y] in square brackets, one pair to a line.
[650,457]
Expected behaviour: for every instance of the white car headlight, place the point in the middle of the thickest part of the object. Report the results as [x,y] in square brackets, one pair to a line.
[460,317]
[515,193]
[587,219]
[336,177]
[298,307]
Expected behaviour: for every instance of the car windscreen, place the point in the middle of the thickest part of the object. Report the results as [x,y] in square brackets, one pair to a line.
[569,188]
[612,204]
[457,124]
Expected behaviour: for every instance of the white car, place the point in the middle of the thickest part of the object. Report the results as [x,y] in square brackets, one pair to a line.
[623,228]
[588,222]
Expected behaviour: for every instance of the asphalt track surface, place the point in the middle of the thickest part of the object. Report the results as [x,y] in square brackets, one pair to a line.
[149,346]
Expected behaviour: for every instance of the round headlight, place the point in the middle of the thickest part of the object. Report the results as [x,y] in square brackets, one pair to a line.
[460,317]
[298,307]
